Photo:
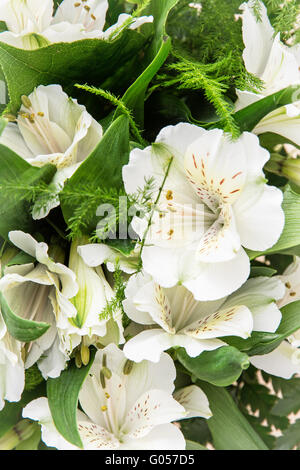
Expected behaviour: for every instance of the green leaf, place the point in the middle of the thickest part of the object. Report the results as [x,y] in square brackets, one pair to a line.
[135,95]
[247,118]
[191,445]
[229,428]
[103,168]
[22,330]
[290,236]
[14,209]
[160,11]
[65,63]
[63,395]
[220,367]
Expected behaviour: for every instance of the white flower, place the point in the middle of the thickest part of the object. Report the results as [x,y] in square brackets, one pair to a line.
[41,293]
[52,128]
[214,202]
[31,24]
[90,15]
[12,376]
[126,406]
[92,297]
[265,56]
[172,317]
[95,254]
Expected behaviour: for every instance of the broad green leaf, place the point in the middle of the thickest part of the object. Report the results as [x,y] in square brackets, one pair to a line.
[19,328]
[191,445]
[220,367]
[263,343]
[103,168]
[63,395]
[229,428]
[14,209]
[290,236]
[135,95]
[65,63]
[247,118]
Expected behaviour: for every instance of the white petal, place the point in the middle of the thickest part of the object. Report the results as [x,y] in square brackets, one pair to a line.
[233,321]
[215,281]
[151,409]
[258,39]
[284,121]
[259,295]
[38,410]
[259,216]
[279,362]
[194,400]
[162,437]
[148,345]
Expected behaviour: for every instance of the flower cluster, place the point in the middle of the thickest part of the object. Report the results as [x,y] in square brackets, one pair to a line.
[204,284]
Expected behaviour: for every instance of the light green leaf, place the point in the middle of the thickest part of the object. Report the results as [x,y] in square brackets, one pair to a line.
[63,395]
[22,330]
[220,367]
[160,11]
[229,428]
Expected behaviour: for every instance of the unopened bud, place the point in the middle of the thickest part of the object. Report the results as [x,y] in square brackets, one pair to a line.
[284,166]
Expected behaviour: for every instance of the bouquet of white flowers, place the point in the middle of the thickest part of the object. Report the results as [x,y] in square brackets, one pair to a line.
[150,225]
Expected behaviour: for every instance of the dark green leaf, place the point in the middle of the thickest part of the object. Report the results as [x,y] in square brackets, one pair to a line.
[290,438]
[63,395]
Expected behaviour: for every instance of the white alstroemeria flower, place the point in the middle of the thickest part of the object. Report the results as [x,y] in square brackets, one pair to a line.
[12,376]
[90,15]
[41,293]
[265,56]
[31,24]
[52,128]
[92,297]
[172,317]
[126,406]
[214,202]
[96,254]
